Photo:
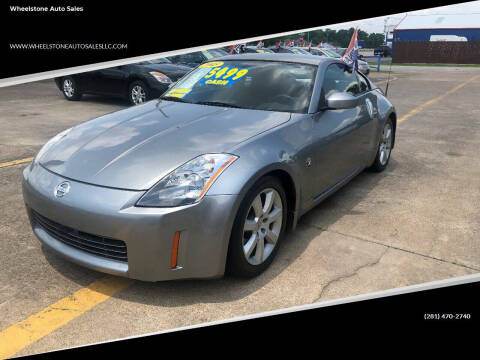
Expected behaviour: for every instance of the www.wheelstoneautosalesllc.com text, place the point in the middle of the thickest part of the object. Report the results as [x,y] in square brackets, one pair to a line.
[46,8]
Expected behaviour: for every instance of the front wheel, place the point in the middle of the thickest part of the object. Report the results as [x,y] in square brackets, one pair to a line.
[384,148]
[69,89]
[137,93]
[258,229]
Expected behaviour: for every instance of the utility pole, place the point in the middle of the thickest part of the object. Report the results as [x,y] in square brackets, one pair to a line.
[385,29]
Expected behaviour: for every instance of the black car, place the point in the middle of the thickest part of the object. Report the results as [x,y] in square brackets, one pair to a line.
[137,82]
[196,58]
[383,50]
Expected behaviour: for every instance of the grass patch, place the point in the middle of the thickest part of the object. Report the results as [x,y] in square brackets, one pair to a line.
[436,65]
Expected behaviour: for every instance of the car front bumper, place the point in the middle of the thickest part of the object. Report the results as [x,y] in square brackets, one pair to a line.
[148,233]
[155,87]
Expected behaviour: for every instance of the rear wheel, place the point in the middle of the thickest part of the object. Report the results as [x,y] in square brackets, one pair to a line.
[384,148]
[258,229]
[69,89]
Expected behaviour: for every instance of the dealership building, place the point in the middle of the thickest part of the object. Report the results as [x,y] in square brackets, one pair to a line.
[448,38]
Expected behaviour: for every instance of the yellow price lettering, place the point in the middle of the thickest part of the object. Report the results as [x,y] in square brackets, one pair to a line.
[230,73]
[212,72]
[221,72]
[240,74]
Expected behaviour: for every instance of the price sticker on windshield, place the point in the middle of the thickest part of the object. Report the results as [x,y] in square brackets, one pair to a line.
[178,93]
[211,64]
[224,76]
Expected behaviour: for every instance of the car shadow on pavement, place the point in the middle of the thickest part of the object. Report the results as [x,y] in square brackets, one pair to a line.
[227,289]
[106,100]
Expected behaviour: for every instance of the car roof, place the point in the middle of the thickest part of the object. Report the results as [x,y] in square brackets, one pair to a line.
[281,57]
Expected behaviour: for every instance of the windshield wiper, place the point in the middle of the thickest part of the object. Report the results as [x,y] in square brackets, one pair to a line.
[217,103]
[174,98]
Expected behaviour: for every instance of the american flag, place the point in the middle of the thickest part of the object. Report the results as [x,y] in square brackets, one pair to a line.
[351,55]
[236,49]
[291,43]
[260,44]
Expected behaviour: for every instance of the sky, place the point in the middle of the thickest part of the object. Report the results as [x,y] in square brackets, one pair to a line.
[377,24]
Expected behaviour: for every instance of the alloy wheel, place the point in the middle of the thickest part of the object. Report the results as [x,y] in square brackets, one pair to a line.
[262,226]
[138,95]
[68,88]
[385,143]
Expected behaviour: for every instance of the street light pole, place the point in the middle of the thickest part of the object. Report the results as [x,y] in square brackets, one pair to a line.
[385,29]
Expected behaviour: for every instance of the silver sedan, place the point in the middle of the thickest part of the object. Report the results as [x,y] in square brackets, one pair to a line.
[207,178]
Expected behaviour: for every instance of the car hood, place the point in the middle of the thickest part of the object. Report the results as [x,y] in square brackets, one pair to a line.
[136,147]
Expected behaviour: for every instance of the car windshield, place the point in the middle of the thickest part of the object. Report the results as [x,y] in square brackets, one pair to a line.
[264,51]
[214,53]
[316,52]
[300,51]
[331,53]
[159,61]
[260,85]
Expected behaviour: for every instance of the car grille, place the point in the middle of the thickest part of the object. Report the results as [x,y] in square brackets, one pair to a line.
[93,244]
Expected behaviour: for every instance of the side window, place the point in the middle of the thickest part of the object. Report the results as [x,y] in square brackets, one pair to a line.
[364,85]
[339,78]
[174,59]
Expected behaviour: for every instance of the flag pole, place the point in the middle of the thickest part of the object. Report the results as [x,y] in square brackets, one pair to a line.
[388,78]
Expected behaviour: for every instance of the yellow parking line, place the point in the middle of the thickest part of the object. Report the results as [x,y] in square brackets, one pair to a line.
[18,336]
[434,100]
[16,162]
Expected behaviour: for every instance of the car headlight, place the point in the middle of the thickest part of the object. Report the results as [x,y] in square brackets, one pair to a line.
[188,183]
[50,143]
[161,77]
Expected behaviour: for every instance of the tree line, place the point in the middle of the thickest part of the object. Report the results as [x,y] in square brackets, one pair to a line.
[340,38]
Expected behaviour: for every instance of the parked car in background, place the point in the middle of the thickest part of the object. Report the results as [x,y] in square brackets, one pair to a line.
[363,66]
[209,177]
[136,82]
[194,59]
[254,49]
[339,50]
[289,50]
[383,50]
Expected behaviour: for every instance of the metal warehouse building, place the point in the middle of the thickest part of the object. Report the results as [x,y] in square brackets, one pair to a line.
[449,38]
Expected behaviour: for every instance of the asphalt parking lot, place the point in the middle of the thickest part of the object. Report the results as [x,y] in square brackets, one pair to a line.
[416,222]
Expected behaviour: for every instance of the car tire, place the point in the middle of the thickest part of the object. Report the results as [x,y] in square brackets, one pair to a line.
[241,262]
[384,148]
[138,93]
[69,89]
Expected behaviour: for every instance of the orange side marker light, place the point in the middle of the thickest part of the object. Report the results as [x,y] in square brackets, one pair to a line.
[176,240]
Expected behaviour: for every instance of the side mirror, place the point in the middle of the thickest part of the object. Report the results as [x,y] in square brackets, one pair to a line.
[341,100]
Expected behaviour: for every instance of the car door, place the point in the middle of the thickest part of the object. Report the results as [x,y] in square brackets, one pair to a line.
[337,134]
[110,81]
[368,121]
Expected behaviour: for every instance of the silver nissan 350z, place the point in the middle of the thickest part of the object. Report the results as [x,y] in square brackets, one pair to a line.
[207,178]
